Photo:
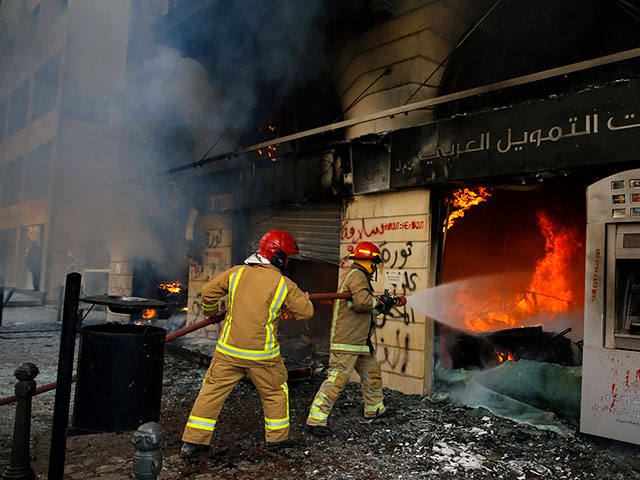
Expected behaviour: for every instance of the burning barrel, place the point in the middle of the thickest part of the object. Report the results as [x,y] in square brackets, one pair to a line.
[119,377]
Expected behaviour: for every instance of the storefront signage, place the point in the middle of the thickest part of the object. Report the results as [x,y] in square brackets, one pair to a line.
[596,126]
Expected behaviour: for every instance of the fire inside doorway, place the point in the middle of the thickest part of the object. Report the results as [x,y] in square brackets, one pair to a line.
[514,256]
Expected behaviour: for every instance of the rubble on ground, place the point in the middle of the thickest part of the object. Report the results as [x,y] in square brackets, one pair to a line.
[427,437]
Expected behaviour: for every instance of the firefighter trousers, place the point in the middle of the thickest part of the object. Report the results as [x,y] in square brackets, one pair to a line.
[341,365]
[221,377]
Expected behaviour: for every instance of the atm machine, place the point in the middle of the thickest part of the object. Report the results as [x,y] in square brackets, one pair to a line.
[611,359]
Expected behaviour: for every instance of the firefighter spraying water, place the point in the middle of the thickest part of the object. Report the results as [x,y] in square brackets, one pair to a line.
[350,341]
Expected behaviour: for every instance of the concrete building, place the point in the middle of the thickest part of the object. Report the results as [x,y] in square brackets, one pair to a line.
[61,62]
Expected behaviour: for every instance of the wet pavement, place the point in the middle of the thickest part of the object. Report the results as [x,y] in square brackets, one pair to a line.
[426,438]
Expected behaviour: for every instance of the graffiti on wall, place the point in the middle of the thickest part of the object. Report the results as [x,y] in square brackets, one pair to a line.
[404,247]
[398,358]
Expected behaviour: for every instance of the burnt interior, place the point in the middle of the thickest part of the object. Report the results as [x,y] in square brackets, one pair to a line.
[501,236]
[151,281]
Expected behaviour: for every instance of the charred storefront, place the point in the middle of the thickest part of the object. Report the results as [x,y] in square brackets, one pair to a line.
[474,182]
[517,204]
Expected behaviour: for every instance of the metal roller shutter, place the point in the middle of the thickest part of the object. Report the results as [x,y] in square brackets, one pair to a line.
[315,227]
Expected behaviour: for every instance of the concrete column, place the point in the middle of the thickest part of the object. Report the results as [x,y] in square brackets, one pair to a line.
[400,224]
[120,282]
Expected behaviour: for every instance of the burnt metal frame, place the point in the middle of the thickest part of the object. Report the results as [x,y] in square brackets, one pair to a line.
[406,109]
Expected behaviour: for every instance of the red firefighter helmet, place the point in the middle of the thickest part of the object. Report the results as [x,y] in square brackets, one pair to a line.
[276,246]
[366,251]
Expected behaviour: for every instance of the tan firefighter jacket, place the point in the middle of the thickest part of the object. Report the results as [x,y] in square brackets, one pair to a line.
[256,295]
[352,319]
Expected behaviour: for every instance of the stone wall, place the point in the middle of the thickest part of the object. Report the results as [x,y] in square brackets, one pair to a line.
[412,44]
[217,236]
[399,223]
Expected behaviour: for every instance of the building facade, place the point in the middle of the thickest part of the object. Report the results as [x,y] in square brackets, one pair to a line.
[61,64]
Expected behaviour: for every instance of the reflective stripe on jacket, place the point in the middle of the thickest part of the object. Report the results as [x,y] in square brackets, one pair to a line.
[257,293]
[352,319]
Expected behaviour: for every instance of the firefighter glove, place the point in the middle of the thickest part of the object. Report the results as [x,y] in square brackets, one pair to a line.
[386,302]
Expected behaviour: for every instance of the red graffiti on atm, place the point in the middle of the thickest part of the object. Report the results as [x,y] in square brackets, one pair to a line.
[596,270]
[614,396]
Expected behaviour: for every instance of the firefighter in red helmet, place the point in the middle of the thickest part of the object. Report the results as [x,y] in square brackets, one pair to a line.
[351,346]
[248,342]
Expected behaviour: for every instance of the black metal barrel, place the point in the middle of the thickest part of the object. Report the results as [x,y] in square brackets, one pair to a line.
[119,377]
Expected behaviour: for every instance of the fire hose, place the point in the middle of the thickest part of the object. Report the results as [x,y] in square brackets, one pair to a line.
[314,297]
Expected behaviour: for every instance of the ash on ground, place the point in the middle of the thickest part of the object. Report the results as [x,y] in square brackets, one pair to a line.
[426,438]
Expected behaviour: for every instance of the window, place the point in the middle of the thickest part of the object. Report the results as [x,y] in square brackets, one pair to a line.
[18,108]
[3,117]
[36,180]
[45,88]
[11,183]
[86,108]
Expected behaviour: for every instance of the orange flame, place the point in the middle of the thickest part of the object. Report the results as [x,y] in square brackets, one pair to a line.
[548,291]
[270,153]
[171,287]
[503,355]
[463,200]
[185,309]
[148,313]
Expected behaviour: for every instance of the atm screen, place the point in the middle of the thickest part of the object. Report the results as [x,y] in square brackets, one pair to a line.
[631,323]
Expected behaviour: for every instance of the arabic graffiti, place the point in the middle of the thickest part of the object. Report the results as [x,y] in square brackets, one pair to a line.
[388,252]
[400,357]
[359,231]
[212,238]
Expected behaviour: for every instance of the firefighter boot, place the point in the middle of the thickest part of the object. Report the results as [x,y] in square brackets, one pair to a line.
[190,450]
[275,446]
[387,413]
[320,430]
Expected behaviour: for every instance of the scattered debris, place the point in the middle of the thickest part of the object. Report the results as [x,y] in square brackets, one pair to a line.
[428,438]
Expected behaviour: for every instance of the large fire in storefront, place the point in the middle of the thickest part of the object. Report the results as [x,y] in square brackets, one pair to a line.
[512,275]
[547,293]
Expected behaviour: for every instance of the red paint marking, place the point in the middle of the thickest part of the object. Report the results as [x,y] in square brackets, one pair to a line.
[626,379]
[638,378]
[614,396]
[356,234]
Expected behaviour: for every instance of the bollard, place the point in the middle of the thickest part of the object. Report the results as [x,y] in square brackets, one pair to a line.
[20,466]
[147,461]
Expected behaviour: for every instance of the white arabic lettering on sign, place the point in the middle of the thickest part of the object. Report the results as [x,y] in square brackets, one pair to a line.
[517,142]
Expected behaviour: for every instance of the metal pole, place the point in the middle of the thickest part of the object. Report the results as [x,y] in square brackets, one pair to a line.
[20,467]
[65,371]
[1,297]
[60,298]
